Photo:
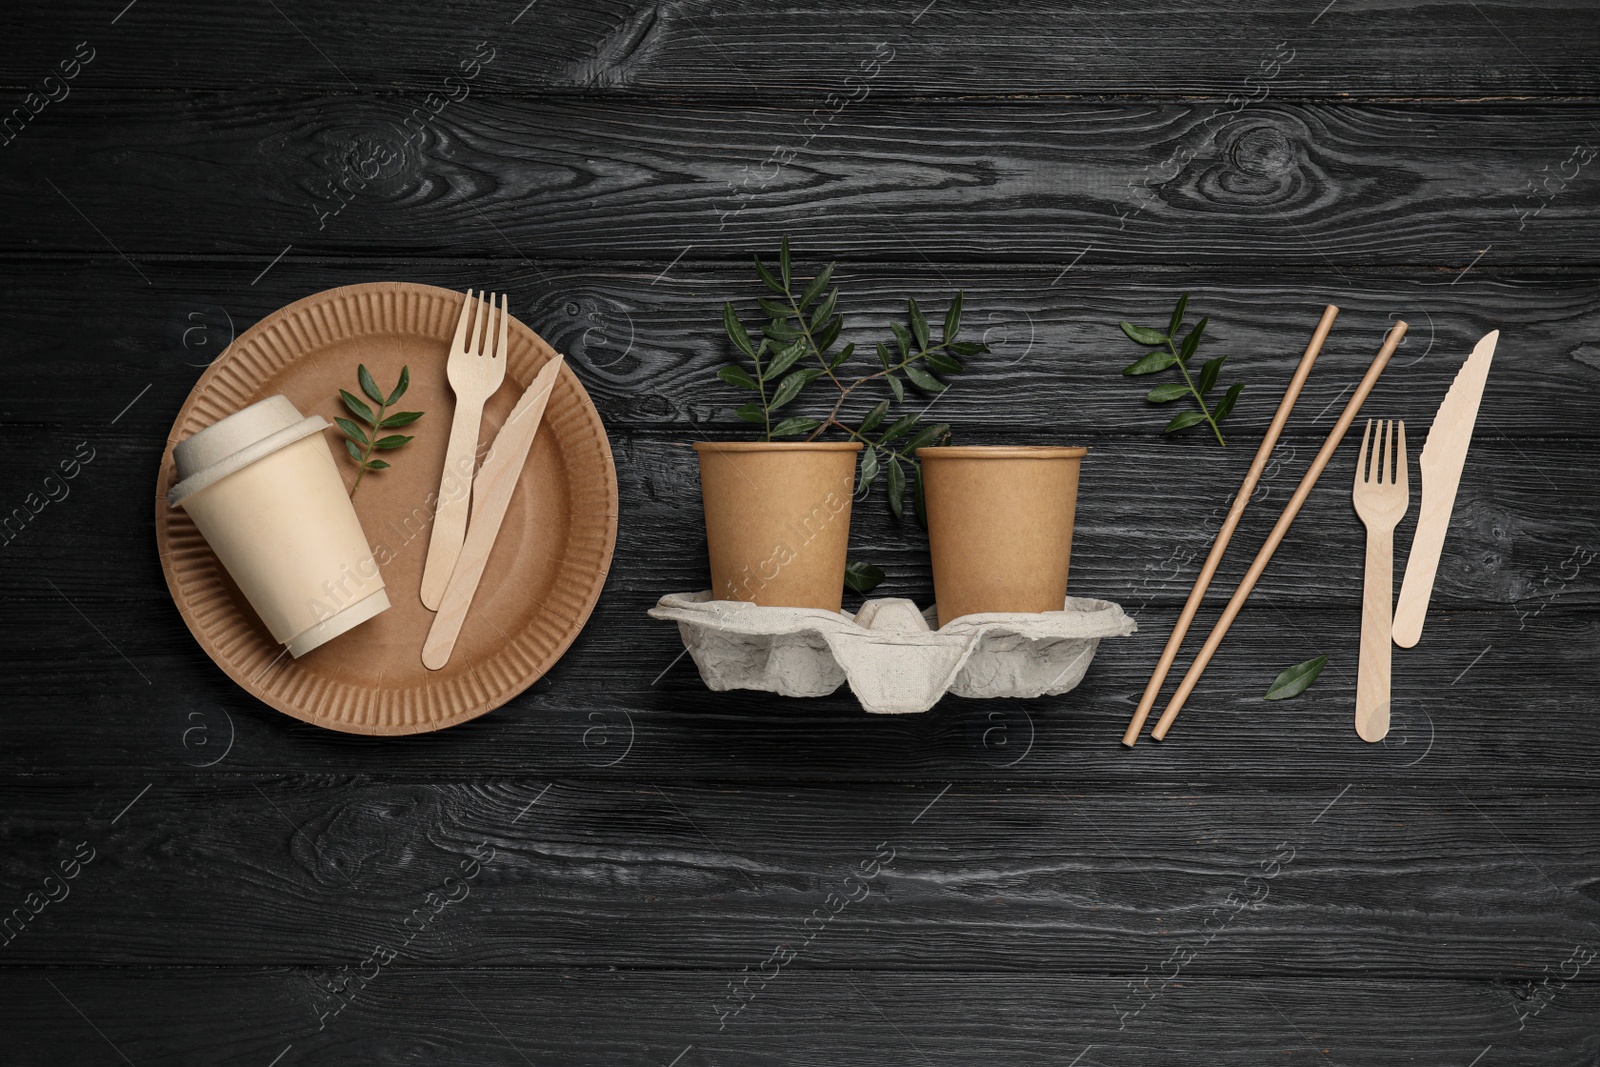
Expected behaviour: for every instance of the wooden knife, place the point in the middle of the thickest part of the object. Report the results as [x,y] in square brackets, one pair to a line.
[1442,459]
[491,495]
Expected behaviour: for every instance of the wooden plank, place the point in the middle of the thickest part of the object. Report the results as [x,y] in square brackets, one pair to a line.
[303,869]
[618,46]
[869,1017]
[646,345]
[1453,186]
[623,704]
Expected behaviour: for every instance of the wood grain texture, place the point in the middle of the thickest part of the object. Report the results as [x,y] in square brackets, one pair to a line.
[1053,898]
[1353,48]
[1041,183]
[646,342]
[870,1017]
[306,869]
[622,706]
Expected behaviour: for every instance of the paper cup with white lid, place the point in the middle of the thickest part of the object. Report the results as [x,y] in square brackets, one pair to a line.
[263,489]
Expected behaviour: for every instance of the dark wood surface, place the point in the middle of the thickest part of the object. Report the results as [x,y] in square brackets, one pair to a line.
[1263,888]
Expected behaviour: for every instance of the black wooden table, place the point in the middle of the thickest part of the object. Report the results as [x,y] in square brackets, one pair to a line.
[190,877]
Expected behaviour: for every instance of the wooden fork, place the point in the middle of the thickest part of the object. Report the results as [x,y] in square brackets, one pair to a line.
[476,368]
[1382,495]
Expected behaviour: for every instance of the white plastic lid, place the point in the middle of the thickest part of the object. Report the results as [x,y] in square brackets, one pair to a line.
[233,443]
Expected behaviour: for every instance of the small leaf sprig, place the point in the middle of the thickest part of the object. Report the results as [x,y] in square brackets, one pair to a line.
[1172,352]
[359,442]
[797,347]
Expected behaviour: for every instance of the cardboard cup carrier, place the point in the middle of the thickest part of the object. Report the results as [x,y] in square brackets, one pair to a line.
[263,489]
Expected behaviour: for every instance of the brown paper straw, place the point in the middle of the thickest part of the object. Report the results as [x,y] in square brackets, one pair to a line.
[1274,538]
[1270,441]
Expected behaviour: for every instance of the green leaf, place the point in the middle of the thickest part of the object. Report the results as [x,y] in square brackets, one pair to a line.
[942,363]
[919,500]
[883,355]
[922,379]
[868,472]
[1165,394]
[788,389]
[787,357]
[1177,315]
[368,386]
[829,334]
[355,453]
[818,284]
[751,412]
[843,357]
[795,425]
[926,436]
[897,488]
[736,331]
[919,324]
[376,465]
[874,417]
[1184,421]
[734,374]
[766,276]
[392,441]
[773,308]
[1192,342]
[1296,680]
[351,430]
[399,418]
[824,310]
[967,348]
[896,388]
[1151,363]
[903,336]
[1208,373]
[400,390]
[354,403]
[952,320]
[779,330]
[1143,334]
[861,577]
[783,263]
[900,428]
[1225,405]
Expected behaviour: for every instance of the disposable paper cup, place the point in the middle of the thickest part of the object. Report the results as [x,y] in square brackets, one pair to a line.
[778,520]
[263,489]
[1000,526]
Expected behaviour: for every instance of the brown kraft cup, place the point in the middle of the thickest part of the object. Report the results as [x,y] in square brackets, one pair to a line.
[778,520]
[1000,526]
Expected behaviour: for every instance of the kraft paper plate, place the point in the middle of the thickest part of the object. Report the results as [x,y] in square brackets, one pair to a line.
[543,577]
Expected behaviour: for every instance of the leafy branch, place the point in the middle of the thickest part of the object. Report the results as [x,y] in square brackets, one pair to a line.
[1171,352]
[797,347]
[359,442]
